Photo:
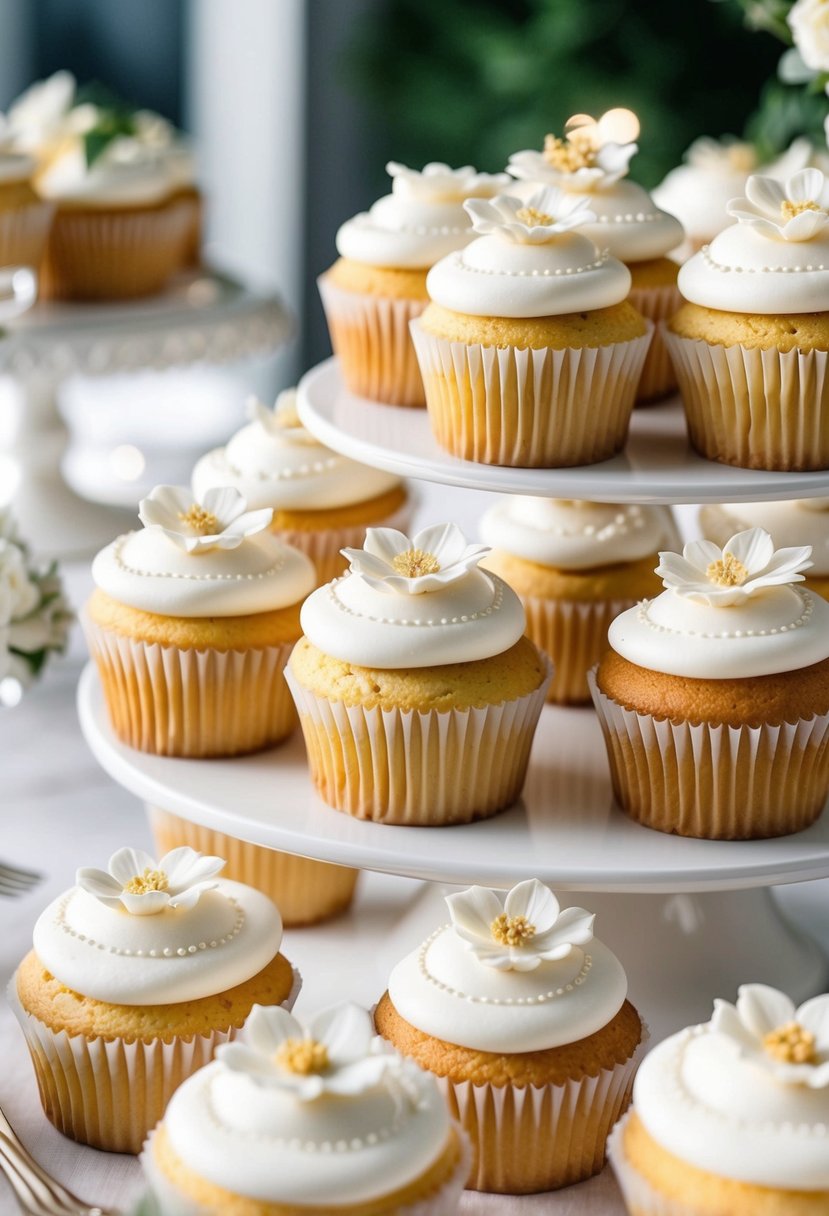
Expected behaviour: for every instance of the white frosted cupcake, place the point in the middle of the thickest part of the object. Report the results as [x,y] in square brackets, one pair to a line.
[574,566]
[317,1117]
[804,521]
[322,502]
[137,974]
[378,284]
[24,217]
[732,1116]
[522,1016]
[591,162]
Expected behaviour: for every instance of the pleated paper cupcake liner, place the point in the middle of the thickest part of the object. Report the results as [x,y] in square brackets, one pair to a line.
[305,891]
[715,782]
[658,304]
[574,635]
[756,409]
[526,408]
[323,546]
[641,1199]
[418,768]
[110,1094]
[117,254]
[186,702]
[370,335]
[527,1139]
[23,234]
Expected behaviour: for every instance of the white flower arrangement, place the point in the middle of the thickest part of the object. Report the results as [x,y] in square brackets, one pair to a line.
[544,218]
[335,1053]
[220,520]
[727,154]
[40,114]
[792,210]
[281,422]
[745,564]
[768,1030]
[521,930]
[137,883]
[438,183]
[429,561]
[594,154]
[809,22]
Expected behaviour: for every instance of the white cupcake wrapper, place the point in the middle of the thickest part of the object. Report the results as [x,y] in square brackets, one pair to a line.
[715,782]
[573,633]
[407,767]
[187,702]
[639,1196]
[323,546]
[110,1094]
[23,233]
[165,1199]
[658,304]
[525,408]
[370,334]
[758,409]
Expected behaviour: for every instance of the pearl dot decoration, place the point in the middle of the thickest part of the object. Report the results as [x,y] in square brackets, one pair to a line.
[166,952]
[465,618]
[547,272]
[724,268]
[191,576]
[796,623]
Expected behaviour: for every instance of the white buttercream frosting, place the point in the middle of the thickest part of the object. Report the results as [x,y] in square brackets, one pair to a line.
[108,182]
[444,610]
[569,534]
[275,462]
[800,522]
[421,221]
[714,1104]
[242,1130]
[466,984]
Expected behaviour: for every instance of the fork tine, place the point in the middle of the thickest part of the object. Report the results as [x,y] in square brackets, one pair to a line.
[14,875]
[34,1196]
[7,868]
[16,884]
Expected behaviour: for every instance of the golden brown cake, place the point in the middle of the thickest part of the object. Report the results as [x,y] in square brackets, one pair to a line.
[25,218]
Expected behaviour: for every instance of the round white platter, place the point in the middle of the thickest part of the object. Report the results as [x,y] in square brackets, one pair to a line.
[657,466]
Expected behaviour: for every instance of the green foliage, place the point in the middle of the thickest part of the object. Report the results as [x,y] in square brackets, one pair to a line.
[115,118]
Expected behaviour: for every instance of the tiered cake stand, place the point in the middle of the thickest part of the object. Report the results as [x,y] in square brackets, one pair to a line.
[690,919]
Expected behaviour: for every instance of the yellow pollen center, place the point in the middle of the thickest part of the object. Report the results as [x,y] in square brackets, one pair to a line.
[728,571]
[302,1057]
[529,215]
[791,1044]
[415,562]
[789,209]
[575,152]
[150,880]
[203,522]
[287,418]
[511,930]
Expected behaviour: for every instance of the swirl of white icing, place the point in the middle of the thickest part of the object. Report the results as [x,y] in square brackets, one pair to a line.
[567,534]
[262,1143]
[798,522]
[107,182]
[179,954]
[719,1112]
[146,570]
[445,991]
[475,617]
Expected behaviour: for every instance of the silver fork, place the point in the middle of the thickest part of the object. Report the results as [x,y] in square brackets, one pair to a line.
[37,1193]
[15,881]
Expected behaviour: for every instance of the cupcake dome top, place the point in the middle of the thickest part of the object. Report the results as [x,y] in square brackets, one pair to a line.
[275,462]
[803,521]
[775,259]
[746,1095]
[202,557]
[727,613]
[510,974]
[319,1115]
[156,932]
[421,220]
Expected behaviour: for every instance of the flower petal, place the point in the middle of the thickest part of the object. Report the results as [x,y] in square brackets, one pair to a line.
[347,1031]
[356,1078]
[753,547]
[574,927]
[238,1057]
[364,562]
[766,194]
[184,866]
[226,503]
[445,541]
[535,901]
[191,895]
[763,1009]
[127,863]
[163,505]
[268,1026]
[804,226]
[98,883]
[726,1020]
[386,543]
[149,904]
[472,913]
[805,186]
[814,1016]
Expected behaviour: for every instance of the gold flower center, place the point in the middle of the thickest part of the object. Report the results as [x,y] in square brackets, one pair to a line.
[150,880]
[742,157]
[789,209]
[728,571]
[302,1057]
[791,1044]
[511,930]
[203,522]
[287,417]
[529,215]
[415,562]
[575,152]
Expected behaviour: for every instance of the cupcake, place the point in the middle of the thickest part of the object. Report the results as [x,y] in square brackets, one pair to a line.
[317,1117]
[803,521]
[378,283]
[24,217]
[732,1116]
[750,345]
[417,692]
[529,349]
[575,566]
[192,622]
[322,502]
[522,1016]
[137,974]
[591,163]
[714,697]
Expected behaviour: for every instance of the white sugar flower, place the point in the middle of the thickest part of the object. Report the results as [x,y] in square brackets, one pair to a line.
[521,931]
[542,219]
[790,1043]
[283,421]
[38,116]
[334,1053]
[144,886]
[434,558]
[19,594]
[745,564]
[792,210]
[726,154]
[593,155]
[219,521]
[438,183]
[809,22]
